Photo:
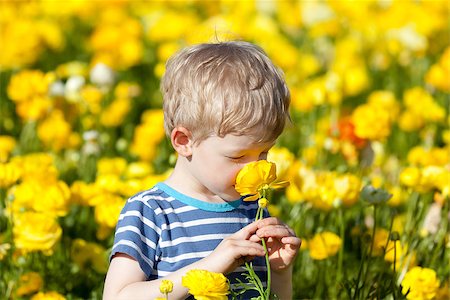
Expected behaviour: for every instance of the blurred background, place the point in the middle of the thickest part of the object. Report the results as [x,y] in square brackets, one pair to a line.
[367,152]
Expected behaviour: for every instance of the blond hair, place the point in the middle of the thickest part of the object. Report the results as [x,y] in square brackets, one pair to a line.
[225,88]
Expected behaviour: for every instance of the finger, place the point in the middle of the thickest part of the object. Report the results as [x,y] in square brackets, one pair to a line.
[246,232]
[237,246]
[254,238]
[268,221]
[293,241]
[248,249]
[277,231]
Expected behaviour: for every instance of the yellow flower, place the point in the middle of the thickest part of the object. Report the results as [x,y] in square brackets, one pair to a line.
[83,193]
[9,174]
[7,144]
[421,283]
[347,188]
[115,166]
[205,285]
[35,232]
[55,131]
[371,122]
[283,159]
[117,39]
[255,178]
[399,254]
[148,134]
[36,166]
[54,196]
[385,100]
[166,286]
[114,114]
[410,176]
[398,196]
[410,121]
[85,254]
[324,245]
[48,296]
[28,89]
[30,282]
[380,241]
[262,202]
[138,170]
[108,209]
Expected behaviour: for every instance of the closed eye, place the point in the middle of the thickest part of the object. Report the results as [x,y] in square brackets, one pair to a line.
[235,158]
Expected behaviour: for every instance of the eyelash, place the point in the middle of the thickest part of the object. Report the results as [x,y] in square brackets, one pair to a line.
[239,157]
[235,158]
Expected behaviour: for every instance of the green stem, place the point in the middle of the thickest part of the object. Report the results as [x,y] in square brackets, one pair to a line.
[369,257]
[341,250]
[268,269]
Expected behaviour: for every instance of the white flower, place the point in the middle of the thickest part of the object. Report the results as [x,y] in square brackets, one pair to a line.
[73,88]
[102,75]
[57,89]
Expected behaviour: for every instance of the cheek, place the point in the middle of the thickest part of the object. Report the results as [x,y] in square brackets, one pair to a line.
[234,171]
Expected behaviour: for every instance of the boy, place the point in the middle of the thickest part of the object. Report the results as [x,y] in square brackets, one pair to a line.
[225,105]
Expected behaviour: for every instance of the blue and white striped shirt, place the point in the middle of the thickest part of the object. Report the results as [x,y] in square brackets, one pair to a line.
[165,230]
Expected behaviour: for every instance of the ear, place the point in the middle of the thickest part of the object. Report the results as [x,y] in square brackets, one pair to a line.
[181,139]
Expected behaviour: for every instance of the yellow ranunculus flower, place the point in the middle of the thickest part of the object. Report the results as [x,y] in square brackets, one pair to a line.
[398,196]
[324,245]
[35,232]
[422,283]
[380,241]
[115,166]
[255,177]
[166,286]
[55,131]
[148,134]
[7,144]
[371,122]
[138,169]
[410,121]
[85,254]
[410,176]
[205,285]
[30,282]
[283,158]
[85,194]
[36,166]
[114,114]
[262,202]
[399,254]
[9,174]
[108,209]
[54,196]
[385,100]
[26,85]
[48,296]
[347,188]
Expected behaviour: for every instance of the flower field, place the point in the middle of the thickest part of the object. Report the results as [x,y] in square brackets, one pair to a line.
[367,153]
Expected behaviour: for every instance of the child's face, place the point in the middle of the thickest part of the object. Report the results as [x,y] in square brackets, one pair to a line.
[216,161]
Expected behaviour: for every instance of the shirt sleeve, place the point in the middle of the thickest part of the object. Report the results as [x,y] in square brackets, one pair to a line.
[137,233]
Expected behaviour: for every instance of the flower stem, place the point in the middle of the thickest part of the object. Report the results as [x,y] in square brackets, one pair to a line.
[268,269]
[341,250]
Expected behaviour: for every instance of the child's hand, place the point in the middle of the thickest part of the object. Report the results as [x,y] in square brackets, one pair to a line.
[281,241]
[236,249]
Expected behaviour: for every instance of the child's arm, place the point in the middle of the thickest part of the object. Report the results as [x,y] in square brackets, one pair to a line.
[283,247]
[126,280]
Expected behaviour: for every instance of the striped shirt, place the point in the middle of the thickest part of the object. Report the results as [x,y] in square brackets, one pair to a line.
[165,230]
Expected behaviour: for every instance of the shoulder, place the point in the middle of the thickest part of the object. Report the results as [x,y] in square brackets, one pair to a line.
[152,198]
